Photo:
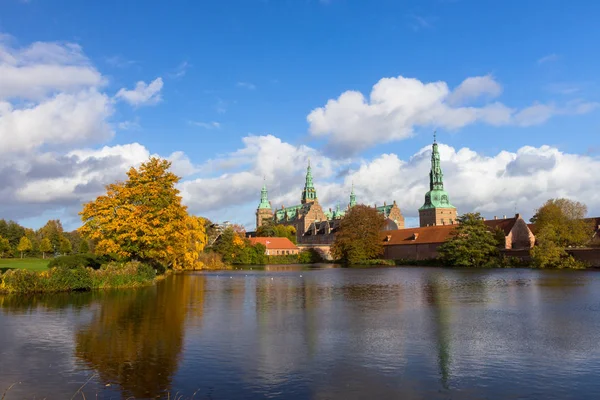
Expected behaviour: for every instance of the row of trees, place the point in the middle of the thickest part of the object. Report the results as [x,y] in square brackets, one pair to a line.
[17,241]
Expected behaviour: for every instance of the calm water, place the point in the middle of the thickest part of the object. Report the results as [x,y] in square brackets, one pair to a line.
[385,333]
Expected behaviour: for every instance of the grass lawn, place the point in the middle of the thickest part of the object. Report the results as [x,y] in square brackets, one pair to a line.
[32,264]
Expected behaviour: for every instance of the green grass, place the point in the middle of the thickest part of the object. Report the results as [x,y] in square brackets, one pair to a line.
[32,264]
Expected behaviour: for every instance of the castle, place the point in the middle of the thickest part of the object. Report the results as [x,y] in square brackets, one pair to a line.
[313,224]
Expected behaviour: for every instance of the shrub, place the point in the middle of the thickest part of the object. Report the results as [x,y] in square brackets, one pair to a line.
[76,260]
[309,256]
[212,260]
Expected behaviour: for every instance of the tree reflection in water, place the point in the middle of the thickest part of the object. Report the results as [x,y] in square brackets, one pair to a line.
[135,338]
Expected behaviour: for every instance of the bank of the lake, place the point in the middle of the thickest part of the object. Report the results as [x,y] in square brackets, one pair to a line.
[301,332]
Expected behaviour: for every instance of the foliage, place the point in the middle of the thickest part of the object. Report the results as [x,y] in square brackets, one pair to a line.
[84,247]
[12,231]
[500,238]
[549,253]
[4,246]
[309,256]
[24,245]
[560,224]
[45,246]
[112,275]
[65,245]
[212,260]
[269,229]
[77,260]
[193,244]
[358,236]
[564,221]
[141,218]
[470,244]
[234,248]
[376,261]
[53,231]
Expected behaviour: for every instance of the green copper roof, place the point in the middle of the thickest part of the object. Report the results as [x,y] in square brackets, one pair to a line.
[437,197]
[264,198]
[292,213]
[352,197]
[309,193]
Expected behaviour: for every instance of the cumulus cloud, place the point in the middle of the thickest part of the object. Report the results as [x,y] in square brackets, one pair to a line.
[491,184]
[42,68]
[396,106]
[142,94]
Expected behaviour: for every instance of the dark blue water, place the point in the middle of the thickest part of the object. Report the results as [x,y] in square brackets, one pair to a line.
[280,333]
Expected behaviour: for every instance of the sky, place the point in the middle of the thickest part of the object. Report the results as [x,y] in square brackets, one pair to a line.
[237,92]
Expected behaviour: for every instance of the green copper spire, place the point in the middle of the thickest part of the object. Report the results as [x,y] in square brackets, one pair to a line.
[264,198]
[309,194]
[352,197]
[437,197]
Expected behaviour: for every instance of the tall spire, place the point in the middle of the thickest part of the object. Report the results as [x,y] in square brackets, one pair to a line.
[352,197]
[264,197]
[436,177]
[309,194]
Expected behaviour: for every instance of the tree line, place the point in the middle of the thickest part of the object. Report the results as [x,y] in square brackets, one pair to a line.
[49,240]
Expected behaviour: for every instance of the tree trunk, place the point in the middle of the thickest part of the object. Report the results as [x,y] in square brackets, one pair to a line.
[43,255]
[21,254]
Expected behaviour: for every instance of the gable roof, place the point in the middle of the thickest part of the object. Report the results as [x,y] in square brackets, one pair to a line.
[505,224]
[274,243]
[437,233]
[425,235]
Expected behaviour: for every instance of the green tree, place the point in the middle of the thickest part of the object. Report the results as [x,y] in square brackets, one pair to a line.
[267,229]
[470,244]
[560,224]
[358,237]
[4,246]
[566,217]
[45,246]
[500,238]
[84,247]
[230,246]
[24,245]
[65,245]
[53,230]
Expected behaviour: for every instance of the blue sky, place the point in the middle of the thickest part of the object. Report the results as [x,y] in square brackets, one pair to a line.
[251,68]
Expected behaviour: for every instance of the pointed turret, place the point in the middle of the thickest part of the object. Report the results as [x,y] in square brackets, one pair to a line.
[352,197]
[309,194]
[264,211]
[437,209]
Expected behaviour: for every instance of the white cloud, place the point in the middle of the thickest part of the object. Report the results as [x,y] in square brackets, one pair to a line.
[40,69]
[206,125]
[474,87]
[180,71]
[246,85]
[549,58]
[143,94]
[397,106]
[63,119]
[493,185]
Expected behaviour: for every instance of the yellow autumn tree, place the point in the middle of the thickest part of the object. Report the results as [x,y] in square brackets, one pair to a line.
[195,239]
[141,218]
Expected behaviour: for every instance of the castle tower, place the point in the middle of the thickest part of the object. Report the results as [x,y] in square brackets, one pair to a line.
[437,209]
[352,197]
[264,211]
[309,194]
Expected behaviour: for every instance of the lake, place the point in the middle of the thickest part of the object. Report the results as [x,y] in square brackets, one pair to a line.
[312,333]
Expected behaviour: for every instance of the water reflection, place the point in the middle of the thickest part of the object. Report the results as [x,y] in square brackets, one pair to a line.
[135,338]
[313,334]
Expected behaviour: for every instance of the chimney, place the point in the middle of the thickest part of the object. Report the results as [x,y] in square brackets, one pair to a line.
[517,215]
[388,238]
[495,217]
[504,217]
[483,218]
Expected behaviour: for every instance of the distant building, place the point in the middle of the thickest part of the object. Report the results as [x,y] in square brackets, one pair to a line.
[422,243]
[313,224]
[276,246]
[437,209]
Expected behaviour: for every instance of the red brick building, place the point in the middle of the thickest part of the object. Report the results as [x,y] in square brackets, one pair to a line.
[276,246]
[422,243]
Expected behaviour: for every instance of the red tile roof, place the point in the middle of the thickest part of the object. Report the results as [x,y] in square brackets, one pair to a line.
[274,243]
[437,233]
[428,234]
